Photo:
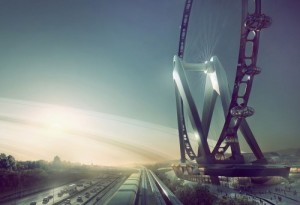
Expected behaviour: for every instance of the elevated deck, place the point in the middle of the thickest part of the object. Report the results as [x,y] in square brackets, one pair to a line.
[247,170]
[232,170]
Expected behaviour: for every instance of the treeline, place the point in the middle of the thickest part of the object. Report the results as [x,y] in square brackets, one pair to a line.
[16,176]
[187,195]
[9,163]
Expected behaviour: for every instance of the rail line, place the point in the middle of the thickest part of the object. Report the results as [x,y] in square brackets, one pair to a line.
[263,199]
[143,188]
[287,197]
[101,194]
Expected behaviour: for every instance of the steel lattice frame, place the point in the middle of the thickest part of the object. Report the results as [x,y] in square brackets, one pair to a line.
[235,107]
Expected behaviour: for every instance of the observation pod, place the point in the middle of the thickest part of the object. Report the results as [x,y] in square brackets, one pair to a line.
[242,112]
[256,22]
[254,70]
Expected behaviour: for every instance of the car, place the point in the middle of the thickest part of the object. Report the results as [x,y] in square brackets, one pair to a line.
[68,202]
[79,199]
[45,200]
[50,197]
[33,203]
[98,198]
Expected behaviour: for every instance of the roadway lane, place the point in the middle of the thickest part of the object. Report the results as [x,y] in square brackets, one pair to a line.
[37,197]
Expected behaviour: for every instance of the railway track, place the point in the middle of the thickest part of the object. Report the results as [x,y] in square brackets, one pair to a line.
[143,188]
[262,199]
[287,197]
[103,195]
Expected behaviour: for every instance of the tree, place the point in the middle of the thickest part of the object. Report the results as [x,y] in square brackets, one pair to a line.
[57,162]
[4,163]
[12,162]
[42,164]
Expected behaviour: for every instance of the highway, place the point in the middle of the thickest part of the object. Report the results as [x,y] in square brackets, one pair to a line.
[89,190]
[142,187]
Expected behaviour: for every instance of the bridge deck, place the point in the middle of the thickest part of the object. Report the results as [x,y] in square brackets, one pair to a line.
[232,170]
[247,170]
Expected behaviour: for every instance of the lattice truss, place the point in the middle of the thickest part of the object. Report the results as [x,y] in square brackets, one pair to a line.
[234,104]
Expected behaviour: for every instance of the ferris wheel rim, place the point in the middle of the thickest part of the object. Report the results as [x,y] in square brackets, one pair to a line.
[251,24]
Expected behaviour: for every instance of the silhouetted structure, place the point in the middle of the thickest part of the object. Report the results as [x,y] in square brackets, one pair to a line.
[225,159]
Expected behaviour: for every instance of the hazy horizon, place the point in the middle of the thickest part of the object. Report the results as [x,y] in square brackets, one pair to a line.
[39,131]
[33,130]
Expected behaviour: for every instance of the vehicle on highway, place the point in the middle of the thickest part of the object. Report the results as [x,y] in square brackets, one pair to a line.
[71,188]
[68,202]
[33,203]
[45,200]
[87,194]
[79,199]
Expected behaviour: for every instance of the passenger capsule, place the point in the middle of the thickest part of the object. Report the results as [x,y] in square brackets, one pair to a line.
[256,22]
[254,70]
[242,112]
[231,139]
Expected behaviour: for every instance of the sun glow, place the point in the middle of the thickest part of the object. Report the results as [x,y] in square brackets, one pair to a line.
[34,131]
[56,120]
[60,118]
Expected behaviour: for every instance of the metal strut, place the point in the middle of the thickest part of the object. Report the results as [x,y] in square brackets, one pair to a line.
[237,109]
[184,26]
[235,106]
[246,70]
[184,142]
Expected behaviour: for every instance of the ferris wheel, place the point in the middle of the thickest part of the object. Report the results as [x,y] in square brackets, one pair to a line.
[225,157]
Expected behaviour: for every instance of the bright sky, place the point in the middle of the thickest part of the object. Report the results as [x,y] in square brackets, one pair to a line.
[40,131]
[115,57]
